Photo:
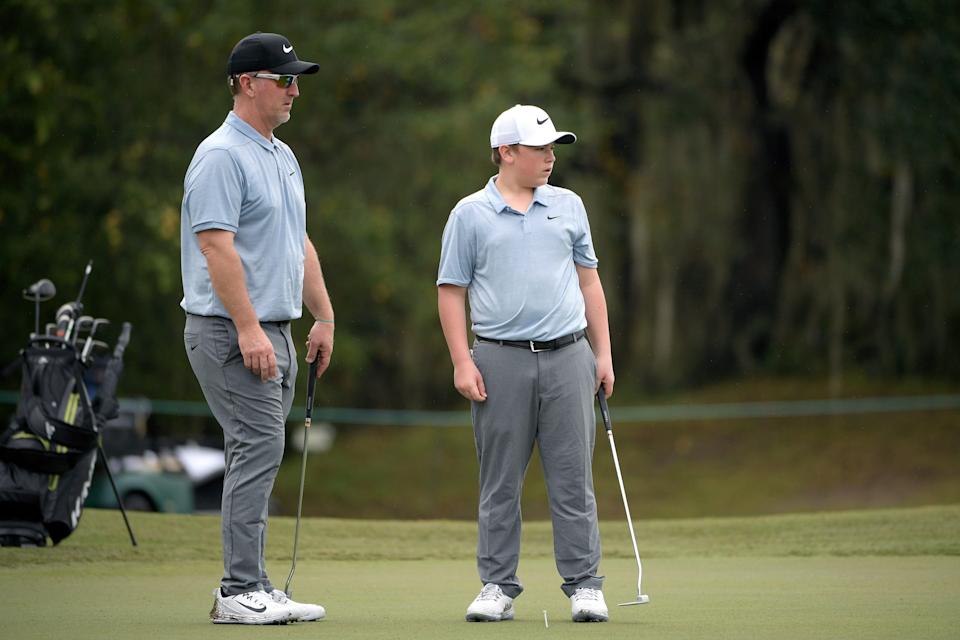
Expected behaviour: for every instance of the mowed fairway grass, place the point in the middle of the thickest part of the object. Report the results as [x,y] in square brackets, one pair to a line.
[855,574]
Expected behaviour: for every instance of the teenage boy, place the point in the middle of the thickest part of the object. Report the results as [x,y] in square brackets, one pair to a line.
[521,249]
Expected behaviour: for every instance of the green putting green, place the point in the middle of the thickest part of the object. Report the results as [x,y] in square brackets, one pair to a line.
[867,574]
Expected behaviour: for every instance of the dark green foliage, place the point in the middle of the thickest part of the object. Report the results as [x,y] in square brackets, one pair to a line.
[772,183]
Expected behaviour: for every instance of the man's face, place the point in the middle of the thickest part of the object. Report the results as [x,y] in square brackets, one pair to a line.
[272,100]
[533,165]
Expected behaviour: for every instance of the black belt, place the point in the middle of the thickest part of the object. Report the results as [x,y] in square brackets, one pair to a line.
[279,323]
[534,345]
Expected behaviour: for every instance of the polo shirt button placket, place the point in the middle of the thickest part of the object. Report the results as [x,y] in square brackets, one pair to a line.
[276,160]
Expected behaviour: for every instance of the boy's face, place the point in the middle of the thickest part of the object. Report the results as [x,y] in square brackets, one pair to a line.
[533,165]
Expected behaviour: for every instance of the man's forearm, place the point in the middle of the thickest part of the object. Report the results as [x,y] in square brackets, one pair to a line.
[229,283]
[315,295]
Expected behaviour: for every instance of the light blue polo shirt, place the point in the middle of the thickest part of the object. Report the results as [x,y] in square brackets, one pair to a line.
[519,268]
[241,182]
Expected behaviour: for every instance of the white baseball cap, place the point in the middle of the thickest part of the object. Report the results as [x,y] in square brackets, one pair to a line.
[527,125]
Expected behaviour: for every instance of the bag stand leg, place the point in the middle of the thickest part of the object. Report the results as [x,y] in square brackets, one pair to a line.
[106,466]
[103,460]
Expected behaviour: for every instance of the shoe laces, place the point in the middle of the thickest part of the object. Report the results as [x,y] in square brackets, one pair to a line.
[585,593]
[280,596]
[490,592]
[255,597]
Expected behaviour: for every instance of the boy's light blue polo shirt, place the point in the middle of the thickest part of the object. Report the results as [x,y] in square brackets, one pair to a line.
[519,268]
[241,182]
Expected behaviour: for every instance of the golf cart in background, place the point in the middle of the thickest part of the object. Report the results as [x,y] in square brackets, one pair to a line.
[153,475]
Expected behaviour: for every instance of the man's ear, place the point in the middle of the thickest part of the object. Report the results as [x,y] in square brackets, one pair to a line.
[246,84]
[506,153]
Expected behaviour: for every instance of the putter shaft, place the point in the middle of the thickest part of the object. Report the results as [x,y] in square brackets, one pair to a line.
[311,386]
[608,424]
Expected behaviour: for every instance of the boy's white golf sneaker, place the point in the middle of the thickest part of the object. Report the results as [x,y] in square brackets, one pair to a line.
[252,607]
[491,605]
[587,605]
[299,611]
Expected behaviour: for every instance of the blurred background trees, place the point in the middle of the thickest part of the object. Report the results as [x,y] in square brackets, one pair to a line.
[772,184]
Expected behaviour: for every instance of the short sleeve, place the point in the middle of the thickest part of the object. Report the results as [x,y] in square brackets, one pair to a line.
[457,252]
[583,253]
[213,192]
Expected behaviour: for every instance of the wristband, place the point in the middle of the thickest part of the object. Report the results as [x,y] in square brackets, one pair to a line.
[320,320]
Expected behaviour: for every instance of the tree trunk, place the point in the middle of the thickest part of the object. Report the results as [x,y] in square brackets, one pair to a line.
[764,227]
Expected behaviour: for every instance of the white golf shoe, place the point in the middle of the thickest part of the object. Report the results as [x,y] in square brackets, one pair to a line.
[491,605]
[587,605]
[252,607]
[299,611]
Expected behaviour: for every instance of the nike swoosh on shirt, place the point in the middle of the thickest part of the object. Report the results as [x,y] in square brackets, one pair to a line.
[552,217]
[287,49]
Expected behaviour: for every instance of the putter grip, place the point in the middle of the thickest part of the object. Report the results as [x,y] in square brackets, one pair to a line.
[604,410]
[311,386]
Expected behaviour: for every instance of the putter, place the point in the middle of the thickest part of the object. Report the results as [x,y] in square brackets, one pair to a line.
[311,385]
[605,413]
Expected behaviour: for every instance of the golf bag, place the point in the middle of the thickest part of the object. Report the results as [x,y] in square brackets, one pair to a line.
[49,450]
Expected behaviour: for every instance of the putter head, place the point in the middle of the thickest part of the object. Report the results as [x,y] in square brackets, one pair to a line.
[640,600]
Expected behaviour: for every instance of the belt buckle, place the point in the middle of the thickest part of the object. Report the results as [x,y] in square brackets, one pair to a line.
[534,349]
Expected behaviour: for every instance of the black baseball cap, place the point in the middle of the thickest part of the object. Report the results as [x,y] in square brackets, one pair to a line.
[269,51]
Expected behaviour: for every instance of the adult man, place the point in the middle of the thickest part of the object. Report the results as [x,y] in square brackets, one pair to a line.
[522,248]
[248,267]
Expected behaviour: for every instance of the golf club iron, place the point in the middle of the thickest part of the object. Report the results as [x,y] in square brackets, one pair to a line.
[96,324]
[605,413]
[311,386]
[82,325]
[97,347]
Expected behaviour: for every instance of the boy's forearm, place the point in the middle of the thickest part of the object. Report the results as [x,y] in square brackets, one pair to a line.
[451,301]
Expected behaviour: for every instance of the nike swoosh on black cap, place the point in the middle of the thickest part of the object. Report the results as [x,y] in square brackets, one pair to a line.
[267,51]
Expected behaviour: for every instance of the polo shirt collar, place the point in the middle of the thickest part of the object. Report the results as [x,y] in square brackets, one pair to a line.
[499,204]
[246,129]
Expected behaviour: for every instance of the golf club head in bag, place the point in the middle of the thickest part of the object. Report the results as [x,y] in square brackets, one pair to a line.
[608,424]
[40,291]
[66,318]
